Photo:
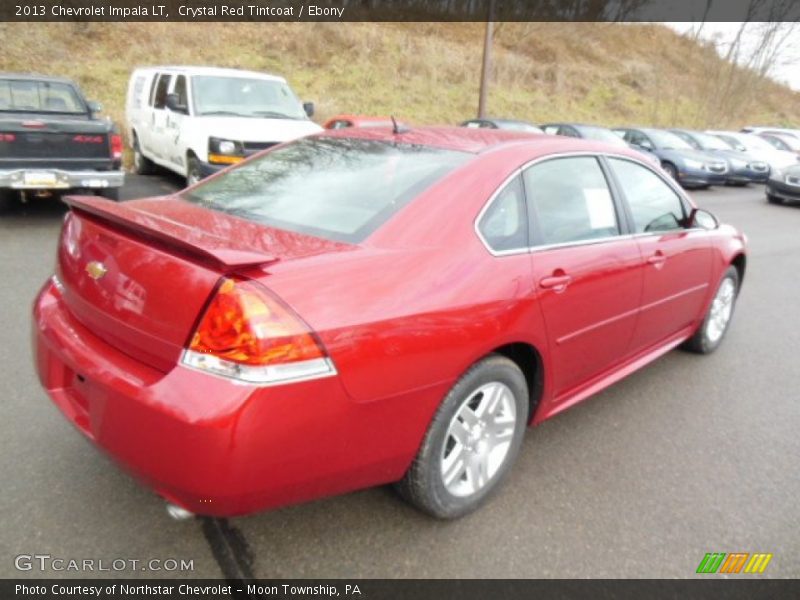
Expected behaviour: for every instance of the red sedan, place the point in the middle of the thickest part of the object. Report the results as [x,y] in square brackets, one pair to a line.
[362,307]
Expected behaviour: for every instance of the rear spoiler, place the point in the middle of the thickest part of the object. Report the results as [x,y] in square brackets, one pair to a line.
[178,236]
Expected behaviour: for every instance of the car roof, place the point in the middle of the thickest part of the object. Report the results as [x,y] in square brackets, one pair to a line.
[212,71]
[477,140]
[36,77]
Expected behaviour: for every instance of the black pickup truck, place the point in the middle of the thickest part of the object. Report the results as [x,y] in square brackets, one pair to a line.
[52,141]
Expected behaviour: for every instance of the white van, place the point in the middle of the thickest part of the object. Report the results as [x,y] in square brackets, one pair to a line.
[198,120]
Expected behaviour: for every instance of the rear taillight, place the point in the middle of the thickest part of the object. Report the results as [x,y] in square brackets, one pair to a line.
[7,137]
[116,146]
[247,334]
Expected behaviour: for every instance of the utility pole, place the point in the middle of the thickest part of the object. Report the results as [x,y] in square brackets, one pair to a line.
[487,61]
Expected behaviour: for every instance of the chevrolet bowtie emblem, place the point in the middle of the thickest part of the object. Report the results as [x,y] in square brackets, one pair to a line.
[96,270]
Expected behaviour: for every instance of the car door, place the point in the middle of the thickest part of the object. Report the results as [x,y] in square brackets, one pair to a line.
[585,267]
[158,119]
[174,141]
[676,260]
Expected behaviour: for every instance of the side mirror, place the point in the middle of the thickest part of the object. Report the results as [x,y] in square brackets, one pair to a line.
[702,219]
[172,103]
[309,108]
[94,107]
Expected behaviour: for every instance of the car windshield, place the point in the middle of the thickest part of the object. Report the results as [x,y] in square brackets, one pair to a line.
[39,96]
[753,142]
[666,140]
[710,142]
[783,142]
[602,135]
[335,188]
[245,97]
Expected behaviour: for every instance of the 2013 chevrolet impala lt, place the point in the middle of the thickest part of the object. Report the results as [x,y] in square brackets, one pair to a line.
[372,306]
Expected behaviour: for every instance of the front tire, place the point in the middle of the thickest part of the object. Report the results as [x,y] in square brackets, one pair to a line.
[774,199]
[471,442]
[709,335]
[193,174]
[670,170]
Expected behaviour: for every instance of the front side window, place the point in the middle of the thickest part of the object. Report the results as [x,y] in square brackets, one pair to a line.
[571,200]
[654,205]
[244,97]
[39,96]
[336,188]
[181,91]
[504,225]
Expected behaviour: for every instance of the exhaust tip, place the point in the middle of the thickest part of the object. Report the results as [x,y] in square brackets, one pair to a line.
[178,513]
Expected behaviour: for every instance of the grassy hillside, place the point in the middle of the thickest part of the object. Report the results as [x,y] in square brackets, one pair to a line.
[428,72]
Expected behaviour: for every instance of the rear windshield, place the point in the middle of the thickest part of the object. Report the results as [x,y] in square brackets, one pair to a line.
[336,188]
[39,96]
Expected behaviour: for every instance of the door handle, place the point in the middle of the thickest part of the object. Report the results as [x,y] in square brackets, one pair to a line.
[557,283]
[658,259]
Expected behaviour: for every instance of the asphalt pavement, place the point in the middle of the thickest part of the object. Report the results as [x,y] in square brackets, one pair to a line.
[689,455]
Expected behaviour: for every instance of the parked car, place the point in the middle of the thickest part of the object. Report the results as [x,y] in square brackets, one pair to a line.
[595,132]
[760,129]
[758,148]
[196,121]
[784,185]
[362,307]
[742,167]
[511,124]
[782,141]
[689,167]
[52,140]
[345,121]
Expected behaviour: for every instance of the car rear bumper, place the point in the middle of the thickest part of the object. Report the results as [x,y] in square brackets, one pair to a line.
[44,178]
[784,191]
[209,444]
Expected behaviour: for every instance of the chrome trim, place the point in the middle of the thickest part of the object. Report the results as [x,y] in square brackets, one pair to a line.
[258,376]
[533,249]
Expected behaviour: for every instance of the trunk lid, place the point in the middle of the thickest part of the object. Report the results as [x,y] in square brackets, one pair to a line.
[139,274]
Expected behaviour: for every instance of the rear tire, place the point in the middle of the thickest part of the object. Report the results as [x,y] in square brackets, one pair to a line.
[141,164]
[8,200]
[712,330]
[110,193]
[471,442]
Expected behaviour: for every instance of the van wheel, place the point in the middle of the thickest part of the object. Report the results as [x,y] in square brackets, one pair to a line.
[141,164]
[472,441]
[193,171]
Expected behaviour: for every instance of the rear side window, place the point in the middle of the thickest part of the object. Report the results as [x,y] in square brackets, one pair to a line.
[653,204]
[138,87]
[504,225]
[571,200]
[160,97]
[335,188]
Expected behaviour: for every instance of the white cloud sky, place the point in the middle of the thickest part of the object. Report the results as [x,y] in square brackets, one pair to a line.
[788,68]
